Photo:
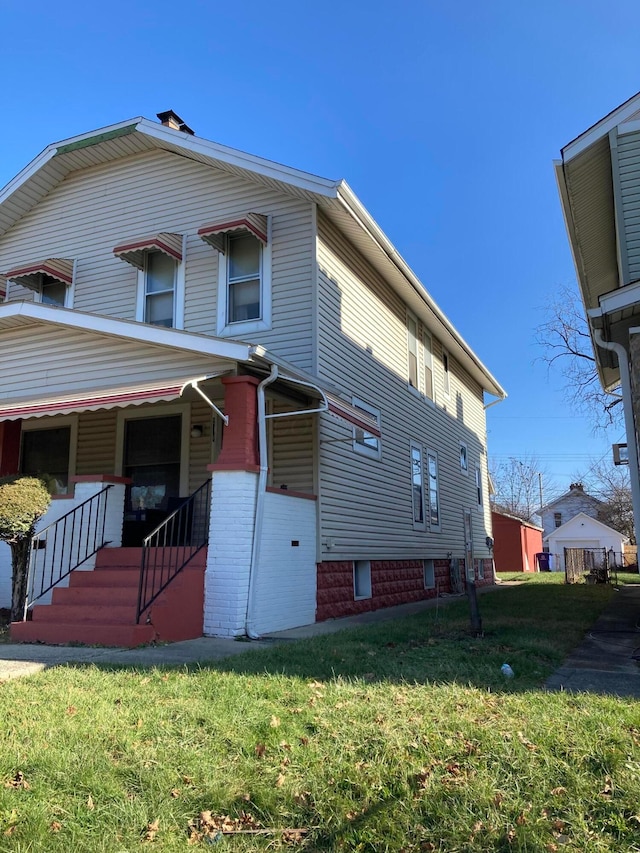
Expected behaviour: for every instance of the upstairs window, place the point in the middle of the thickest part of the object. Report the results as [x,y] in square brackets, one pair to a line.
[428,365]
[464,462]
[159,289]
[244,277]
[244,272]
[159,262]
[412,346]
[50,280]
[446,382]
[557,519]
[479,486]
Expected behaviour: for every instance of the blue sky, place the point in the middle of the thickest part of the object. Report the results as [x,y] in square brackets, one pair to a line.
[443,118]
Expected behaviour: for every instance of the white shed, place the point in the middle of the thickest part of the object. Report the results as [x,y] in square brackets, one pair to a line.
[582,531]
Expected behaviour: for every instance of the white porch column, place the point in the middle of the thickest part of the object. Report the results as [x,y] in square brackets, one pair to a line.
[226,580]
[234,489]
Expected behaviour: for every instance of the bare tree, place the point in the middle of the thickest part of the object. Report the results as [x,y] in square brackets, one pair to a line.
[517,486]
[612,485]
[567,345]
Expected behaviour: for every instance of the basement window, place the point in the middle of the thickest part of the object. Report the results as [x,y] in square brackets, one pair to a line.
[361,579]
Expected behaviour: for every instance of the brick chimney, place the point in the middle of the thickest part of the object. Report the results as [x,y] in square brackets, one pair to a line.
[173,120]
[578,486]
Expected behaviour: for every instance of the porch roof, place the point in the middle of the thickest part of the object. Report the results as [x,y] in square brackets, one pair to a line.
[103,398]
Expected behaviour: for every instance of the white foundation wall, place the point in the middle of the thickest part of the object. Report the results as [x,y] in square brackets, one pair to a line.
[285,594]
[226,580]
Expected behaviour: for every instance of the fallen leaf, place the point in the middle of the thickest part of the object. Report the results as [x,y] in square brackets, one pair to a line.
[56,826]
[18,781]
[285,745]
[275,722]
[280,780]
[304,741]
[10,829]
[521,819]
[175,793]
[90,803]
[71,710]
[558,825]
[152,830]
[559,791]
[260,750]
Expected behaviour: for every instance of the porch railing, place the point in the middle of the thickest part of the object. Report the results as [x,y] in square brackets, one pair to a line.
[168,548]
[64,545]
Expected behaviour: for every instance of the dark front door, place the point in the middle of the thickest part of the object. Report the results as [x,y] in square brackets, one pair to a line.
[152,460]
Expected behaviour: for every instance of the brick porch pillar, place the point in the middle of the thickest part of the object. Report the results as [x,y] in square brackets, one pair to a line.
[10,447]
[233,505]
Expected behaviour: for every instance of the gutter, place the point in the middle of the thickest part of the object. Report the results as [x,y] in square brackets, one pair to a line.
[259,513]
[629,420]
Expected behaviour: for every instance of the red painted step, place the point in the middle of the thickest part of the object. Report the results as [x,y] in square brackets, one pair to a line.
[99,607]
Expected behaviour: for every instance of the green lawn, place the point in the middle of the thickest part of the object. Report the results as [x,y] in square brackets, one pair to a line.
[402,736]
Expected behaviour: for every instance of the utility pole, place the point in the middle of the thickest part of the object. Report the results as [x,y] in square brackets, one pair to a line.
[540,485]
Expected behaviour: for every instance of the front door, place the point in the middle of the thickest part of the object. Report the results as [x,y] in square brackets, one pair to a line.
[152,449]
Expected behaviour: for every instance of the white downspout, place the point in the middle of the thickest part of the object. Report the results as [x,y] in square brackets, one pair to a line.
[259,514]
[629,421]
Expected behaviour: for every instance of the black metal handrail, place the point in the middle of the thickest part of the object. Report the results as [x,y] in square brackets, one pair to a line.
[168,548]
[62,546]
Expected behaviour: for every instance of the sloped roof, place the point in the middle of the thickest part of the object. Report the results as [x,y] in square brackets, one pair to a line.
[582,515]
[335,198]
[577,493]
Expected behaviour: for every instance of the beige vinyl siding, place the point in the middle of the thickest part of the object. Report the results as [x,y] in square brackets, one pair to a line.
[96,442]
[201,449]
[629,175]
[366,509]
[98,362]
[291,443]
[94,210]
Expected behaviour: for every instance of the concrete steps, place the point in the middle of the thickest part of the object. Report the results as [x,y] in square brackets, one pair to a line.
[99,607]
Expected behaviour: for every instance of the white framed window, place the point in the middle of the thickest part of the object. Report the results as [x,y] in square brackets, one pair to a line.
[464,458]
[48,450]
[361,579]
[244,284]
[446,379]
[53,292]
[417,486]
[433,491]
[479,487]
[365,442]
[412,351]
[429,574]
[158,285]
[428,365]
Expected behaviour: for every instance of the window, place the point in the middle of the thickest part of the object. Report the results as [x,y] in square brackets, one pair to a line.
[446,383]
[53,292]
[244,281]
[557,519]
[47,453]
[479,486]
[417,486]
[428,365]
[464,464]
[412,344]
[365,442]
[361,579]
[160,289]
[429,574]
[244,274]
[434,492]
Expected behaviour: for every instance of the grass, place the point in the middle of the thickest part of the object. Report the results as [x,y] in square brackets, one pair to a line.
[401,736]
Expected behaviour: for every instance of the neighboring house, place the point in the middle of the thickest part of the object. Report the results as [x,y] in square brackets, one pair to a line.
[562,509]
[181,315]
[516,543]
[583,531]
[599,183]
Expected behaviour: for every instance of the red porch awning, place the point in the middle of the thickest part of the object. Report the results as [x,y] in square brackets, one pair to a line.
[133,251]
[254,223]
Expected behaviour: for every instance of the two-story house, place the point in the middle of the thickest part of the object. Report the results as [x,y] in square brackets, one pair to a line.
[229,352]
[567,506]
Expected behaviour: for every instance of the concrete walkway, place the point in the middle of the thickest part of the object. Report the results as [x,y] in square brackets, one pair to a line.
[604,661]
[27,658]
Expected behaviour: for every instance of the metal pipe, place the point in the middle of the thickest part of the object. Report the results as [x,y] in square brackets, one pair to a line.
[259,513]
[629,420]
